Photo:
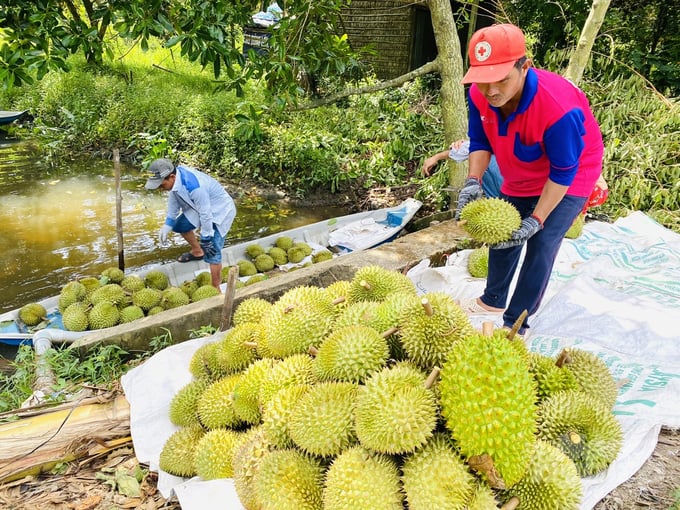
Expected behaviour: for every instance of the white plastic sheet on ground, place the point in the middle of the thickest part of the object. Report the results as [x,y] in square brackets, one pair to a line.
[614,291]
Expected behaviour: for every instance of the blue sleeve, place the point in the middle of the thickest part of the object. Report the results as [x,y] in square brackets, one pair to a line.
[476,134]
[564,145]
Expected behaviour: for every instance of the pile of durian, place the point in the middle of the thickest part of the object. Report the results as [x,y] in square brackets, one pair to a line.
[365,395]
[114,298]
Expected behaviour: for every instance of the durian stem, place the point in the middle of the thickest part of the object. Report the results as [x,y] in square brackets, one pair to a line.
[429,311]
[563,358]
[390,332]
[339,300]
[512,503]
[250,344]
[365,284]
[313,351]
[432,378]
[518,324]
[487,328]
[289,309]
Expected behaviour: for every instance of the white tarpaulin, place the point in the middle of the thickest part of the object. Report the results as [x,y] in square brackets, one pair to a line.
[614,291]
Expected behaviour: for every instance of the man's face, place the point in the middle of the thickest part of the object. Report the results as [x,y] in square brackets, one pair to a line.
[501,92]
[168,182]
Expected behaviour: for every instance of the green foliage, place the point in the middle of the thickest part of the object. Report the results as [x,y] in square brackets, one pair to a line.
[16,384]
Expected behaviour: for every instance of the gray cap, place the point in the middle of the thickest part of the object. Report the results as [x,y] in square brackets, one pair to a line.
[159,170]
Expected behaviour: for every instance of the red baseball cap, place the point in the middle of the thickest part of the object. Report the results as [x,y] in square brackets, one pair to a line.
[493,51]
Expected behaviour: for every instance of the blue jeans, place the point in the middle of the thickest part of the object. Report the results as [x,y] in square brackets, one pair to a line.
[183,225]
[534,274]
[492,179]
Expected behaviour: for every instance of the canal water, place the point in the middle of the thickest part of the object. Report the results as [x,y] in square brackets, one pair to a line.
[59,222]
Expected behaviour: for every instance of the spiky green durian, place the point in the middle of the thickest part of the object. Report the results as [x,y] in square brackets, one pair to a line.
[204,292]
[132,283]
[72,292]
[276,412]
[246,395]
[386,321]
[375,283]
[549,377]
[235,352]
[74,317]
[321,256]
[184,404]
[215,453]
[264,263]
[338,292]
[483,498]
[322,421]
[306,249]
[429,327]
[290,480]
[490,220]
[32,314]
[576,228]
[395,412]
[90,283]
[350,354]
[295,254]
[111,292]
[260,277]
[203,278]
[179,451]
[295,369]
[593,375]
[147,298]
[172,297]
[583,428]
[246,463]
[254,250]
[189,287]
[549,483]
[156,279]
[246,268]
[488,399]
[252,309]
[435,476]
[359,478]
[113,275]
[103,315]
[131,313]
[478,262]
[300,318]
[203,364]
[154,310]
[215,408]
[284,242]
[354,314]
[278,255]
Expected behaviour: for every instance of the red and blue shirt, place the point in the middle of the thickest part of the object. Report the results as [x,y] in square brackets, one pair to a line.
[553,134]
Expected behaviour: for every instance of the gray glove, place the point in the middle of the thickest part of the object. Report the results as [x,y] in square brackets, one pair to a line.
[471,191]
[208,247]
[163,233]
[528,228]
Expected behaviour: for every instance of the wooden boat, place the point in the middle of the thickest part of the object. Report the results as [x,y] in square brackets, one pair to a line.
[341,235]
[7,117]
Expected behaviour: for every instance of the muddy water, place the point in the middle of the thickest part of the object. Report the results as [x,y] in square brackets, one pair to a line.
[59,223]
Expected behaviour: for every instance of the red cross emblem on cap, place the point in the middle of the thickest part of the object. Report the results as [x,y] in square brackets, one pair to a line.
[482,51]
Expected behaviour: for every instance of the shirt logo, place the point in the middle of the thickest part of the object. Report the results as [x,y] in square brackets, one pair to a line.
[482,51]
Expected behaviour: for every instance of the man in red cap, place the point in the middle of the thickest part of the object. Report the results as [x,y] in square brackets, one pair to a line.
[549,149]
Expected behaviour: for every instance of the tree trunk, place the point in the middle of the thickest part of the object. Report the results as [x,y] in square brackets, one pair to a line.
[580,56]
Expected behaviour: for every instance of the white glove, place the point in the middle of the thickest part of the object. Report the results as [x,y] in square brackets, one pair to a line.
[163,233]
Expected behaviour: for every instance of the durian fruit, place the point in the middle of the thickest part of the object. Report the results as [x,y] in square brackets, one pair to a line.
[246,395]
[147,298]
[277,411]
[215,407]
[189,287]
[184,404]
[75,318]
[386,321]
[488,399]
[252,309]
[300,318]
[478,262]
[32,314]
[549,377]
[322,422]
[359,478]
[435,476]
[103,315]
[264,263]
[215,453]
[246,463]
[234,353]
[132,283]
[549,483]
[278,255]
[154,310]
[350,354]
[90,283]
[295,254]
[583,428]
[395,412]
[246,268]
[172,297]
[72,292]
[110,292]
[338,292]
[483,498]
[321,256]
[375,283]
[131,313]
[204,292]
[113,275]
[490,220]
[429,327]
[356,314]
[290,480]
[156,279]
[306,249]
[592,374]
[203,278]
[203,364]
[295,369]
[179,451]
[260,277]
[576,228]
[284,242]
[254,250]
